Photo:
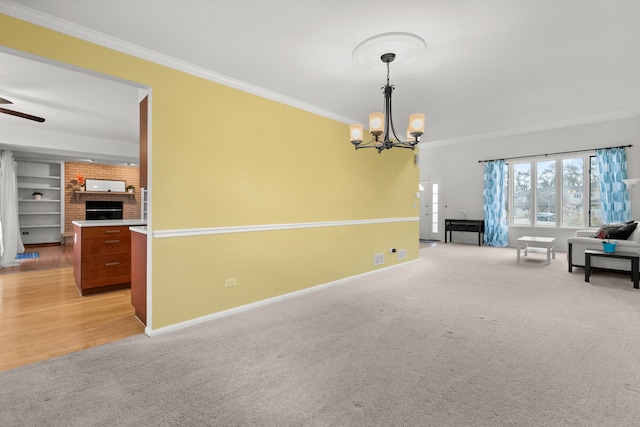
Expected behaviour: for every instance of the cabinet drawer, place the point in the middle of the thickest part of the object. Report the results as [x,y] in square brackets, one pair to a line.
[110,271]
[97,249]
[104,232]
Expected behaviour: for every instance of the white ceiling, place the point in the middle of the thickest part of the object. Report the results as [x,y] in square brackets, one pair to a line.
[86,117]
[492,67]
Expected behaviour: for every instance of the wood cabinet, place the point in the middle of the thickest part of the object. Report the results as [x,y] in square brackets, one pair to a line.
[102,258]
[41,219]
[139,274]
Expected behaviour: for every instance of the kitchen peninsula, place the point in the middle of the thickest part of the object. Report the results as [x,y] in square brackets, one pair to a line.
[102,254]
[139,272]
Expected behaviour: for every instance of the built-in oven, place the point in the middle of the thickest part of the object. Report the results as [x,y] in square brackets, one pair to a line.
[103,209]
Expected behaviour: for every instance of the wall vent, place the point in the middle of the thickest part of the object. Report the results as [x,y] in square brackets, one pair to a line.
[378,259]
[402,254]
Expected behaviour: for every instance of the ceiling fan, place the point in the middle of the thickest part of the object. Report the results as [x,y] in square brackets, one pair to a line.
[17,113]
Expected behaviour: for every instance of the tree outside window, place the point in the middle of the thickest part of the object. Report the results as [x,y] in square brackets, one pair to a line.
[546,193]
[521,193]
[572,192]
[595,201]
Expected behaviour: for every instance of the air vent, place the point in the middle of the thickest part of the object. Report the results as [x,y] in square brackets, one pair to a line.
[402,254]
[378,259]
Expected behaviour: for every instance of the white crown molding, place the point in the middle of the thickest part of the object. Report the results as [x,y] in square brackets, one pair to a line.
[44,20]
[69,28]
[579,121]
[158,234]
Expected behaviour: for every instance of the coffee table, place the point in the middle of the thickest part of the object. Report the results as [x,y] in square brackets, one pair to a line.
[634,257]
[526,243]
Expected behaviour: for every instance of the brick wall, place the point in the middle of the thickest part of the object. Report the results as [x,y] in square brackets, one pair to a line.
[74,203]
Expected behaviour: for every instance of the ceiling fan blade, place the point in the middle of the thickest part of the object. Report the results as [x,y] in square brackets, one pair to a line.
[23,115]
[5,101]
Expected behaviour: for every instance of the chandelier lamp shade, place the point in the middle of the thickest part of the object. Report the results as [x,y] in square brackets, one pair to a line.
[381,127]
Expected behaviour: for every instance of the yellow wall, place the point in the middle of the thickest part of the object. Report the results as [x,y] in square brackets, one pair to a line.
[222,157]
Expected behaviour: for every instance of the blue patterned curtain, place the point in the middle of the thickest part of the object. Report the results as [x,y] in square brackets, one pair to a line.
[612,166]
[495,213]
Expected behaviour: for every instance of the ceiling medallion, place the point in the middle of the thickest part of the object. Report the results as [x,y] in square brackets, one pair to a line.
[406,46]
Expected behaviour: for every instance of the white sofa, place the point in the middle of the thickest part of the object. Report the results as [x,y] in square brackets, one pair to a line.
[583,241]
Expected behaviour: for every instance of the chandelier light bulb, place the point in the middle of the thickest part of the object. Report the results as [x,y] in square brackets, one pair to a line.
[356,133]
[416,124]
[376,123]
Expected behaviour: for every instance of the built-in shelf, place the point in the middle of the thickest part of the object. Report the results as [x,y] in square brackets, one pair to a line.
[39,176]
[37,187]
[79,193]
[40,213]
[118,193]
[40,220]
[145,199]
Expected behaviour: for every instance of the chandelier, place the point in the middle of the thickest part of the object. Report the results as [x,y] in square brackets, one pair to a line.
[381,124]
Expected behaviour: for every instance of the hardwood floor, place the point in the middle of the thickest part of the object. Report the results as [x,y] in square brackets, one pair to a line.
[51,256]
[42,314]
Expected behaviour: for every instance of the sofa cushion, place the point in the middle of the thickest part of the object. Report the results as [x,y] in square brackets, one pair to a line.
[616,231]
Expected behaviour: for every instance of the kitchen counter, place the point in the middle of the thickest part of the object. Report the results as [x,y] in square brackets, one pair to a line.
[102,254]
[110,222]
[141,230]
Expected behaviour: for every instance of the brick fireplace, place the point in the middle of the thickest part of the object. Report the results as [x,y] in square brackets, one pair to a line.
[75,203]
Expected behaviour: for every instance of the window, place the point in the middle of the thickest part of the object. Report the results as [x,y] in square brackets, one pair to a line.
[572,185]
[546,193]
[434,208]
[595,202]
[521,193]
[552,193]
[506,189]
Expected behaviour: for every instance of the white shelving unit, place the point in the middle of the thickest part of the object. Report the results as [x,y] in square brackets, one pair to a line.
[41,221]
[145,200]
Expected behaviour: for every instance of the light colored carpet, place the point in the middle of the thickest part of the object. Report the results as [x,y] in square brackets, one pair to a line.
[464,337]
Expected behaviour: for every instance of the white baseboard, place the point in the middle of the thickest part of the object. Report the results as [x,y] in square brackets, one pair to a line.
[176,327]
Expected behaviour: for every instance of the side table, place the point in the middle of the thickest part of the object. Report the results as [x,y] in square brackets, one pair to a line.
[635,261]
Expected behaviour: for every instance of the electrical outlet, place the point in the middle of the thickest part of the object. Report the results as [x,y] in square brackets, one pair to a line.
[230,282]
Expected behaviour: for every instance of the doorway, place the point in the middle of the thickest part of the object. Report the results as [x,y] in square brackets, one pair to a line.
[90,103]
[430,208]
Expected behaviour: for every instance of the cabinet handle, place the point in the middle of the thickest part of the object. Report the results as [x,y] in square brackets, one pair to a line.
[108,264]
[111,241]
[111,231]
